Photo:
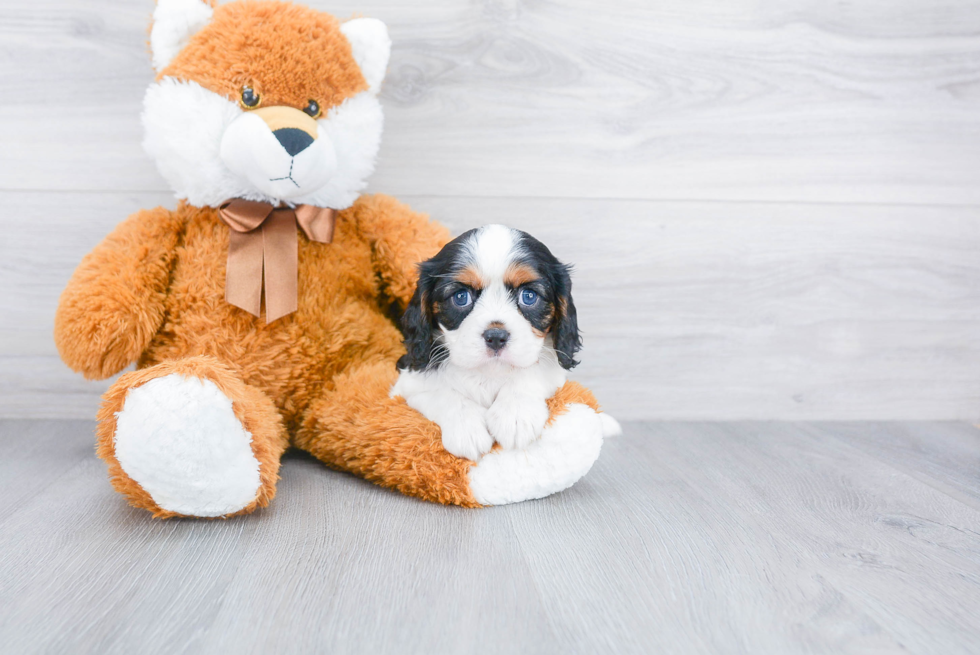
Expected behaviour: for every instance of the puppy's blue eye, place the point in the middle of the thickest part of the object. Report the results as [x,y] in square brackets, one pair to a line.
[528,297]
[461,298]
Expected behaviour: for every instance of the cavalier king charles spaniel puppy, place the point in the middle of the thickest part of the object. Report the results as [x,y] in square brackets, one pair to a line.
[490,334]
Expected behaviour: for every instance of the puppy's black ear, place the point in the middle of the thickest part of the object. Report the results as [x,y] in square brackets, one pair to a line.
[564,331]
[417,329]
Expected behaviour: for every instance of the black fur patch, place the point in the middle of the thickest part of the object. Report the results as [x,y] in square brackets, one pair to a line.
[432,304]
[557,312]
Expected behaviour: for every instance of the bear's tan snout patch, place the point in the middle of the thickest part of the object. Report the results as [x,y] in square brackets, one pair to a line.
[286,118]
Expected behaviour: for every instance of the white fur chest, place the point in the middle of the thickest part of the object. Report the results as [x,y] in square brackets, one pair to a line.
[483,385]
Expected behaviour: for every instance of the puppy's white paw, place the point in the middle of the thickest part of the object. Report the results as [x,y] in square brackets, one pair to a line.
[515,421]
[564,453]
[465,435]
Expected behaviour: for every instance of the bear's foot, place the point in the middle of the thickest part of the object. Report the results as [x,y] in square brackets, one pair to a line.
[191,439]
[179,439]
[564,453]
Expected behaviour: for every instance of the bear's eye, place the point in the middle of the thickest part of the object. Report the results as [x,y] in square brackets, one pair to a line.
[250,98]
[312,108]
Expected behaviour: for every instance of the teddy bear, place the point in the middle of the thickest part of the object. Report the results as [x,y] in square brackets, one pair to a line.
[261,313]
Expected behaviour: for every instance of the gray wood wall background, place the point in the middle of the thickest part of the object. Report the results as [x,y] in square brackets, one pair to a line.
[773,205]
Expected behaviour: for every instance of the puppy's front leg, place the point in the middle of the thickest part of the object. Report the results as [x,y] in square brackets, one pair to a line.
[462,421]
[515,420]
[519,412]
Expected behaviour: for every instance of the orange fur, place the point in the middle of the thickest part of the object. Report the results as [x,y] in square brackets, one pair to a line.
[354,426]
[114,303]
[339,320]
[572,392]
[259,43]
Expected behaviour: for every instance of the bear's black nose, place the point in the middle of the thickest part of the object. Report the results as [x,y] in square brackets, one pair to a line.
[293,140]
[496,338]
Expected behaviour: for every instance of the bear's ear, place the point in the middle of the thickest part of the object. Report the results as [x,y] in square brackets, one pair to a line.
[174,23]
[371,46]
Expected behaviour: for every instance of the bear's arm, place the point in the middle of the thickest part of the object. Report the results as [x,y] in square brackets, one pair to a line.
[400,239]
[114,302]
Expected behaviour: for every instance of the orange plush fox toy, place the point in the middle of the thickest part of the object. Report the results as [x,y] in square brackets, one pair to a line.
[257,312]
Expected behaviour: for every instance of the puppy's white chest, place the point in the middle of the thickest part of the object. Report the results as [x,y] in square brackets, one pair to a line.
[480,389]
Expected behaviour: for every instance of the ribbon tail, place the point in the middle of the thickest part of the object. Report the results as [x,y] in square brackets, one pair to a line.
[281,264]
[243,275]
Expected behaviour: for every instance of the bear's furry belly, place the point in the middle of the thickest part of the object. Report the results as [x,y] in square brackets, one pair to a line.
[339,323]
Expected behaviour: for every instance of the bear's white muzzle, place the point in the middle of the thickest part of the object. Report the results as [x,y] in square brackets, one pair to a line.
[281,151]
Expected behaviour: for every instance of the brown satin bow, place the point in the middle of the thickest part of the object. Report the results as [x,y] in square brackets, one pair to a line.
[263,236]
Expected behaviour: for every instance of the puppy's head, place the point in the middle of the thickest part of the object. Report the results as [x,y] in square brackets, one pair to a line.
[493,295]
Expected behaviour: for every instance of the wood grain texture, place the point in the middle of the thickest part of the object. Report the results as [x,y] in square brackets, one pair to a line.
[942,455]
[689,310]
[772,206]
[792,101]
[684,538]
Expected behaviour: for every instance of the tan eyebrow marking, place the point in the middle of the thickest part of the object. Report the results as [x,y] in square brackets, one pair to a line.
[470,277]
[518,275]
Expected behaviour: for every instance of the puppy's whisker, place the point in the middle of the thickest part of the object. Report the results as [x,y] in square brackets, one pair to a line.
[549,354]
[440,353]
[439,356]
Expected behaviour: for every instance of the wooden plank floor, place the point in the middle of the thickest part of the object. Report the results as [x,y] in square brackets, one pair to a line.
[685,538]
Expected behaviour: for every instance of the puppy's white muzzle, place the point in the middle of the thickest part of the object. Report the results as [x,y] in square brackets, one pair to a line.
[280,150]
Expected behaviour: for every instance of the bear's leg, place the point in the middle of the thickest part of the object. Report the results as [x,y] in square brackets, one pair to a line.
[189,438]
[355,426]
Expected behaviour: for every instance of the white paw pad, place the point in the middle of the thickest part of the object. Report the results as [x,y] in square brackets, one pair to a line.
[180,440]
[516,422]
[465,435]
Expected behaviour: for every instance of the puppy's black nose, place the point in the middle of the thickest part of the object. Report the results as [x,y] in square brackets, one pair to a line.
[293,140]
[496,338]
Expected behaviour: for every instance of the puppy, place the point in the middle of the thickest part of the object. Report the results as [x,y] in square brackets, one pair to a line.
[490,334]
